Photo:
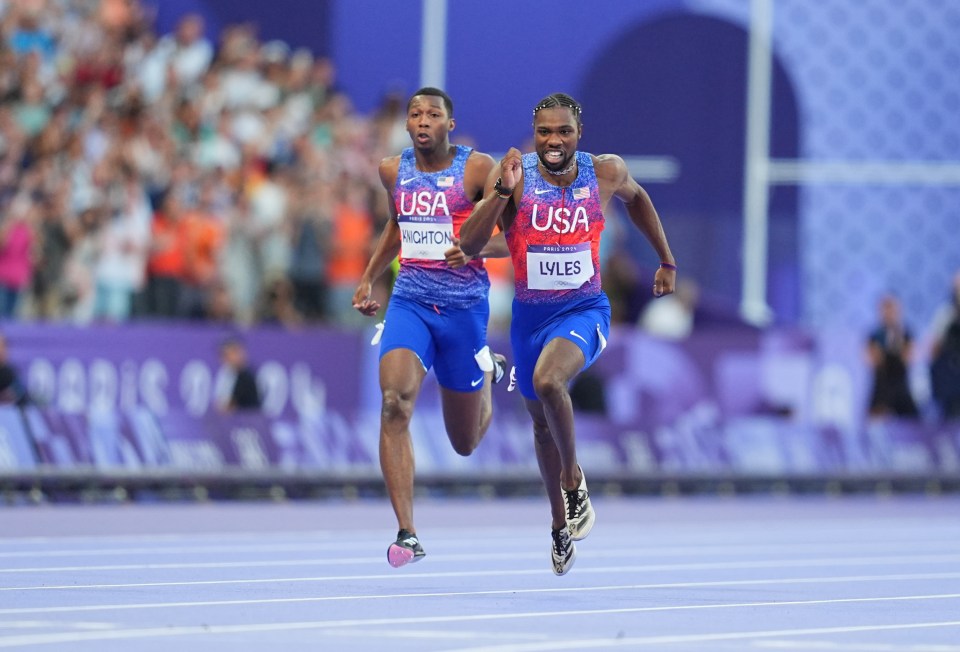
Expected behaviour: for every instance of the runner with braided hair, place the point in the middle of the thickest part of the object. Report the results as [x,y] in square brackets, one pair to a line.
[550,203]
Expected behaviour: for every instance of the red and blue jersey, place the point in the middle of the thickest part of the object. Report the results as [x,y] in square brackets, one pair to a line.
[431,206]
[554,239]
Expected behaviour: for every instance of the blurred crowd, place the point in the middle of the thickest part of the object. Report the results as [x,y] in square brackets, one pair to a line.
[147,176]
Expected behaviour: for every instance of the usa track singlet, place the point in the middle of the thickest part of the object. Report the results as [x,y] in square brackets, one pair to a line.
[431,206]
[554,240]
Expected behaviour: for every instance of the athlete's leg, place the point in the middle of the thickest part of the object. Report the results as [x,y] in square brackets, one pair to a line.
[558,363]
[460,363]
[466,415]
[401,376]
[548,458]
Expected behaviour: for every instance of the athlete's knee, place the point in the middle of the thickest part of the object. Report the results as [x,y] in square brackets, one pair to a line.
[396,407]
[549,386]
[464,446]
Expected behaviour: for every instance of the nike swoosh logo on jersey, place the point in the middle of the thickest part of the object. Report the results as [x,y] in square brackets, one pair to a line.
[474,383]
[579,336]
[538,191]
[404,182]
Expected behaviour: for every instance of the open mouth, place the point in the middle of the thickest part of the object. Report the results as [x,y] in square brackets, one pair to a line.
[553,156]
[423,137]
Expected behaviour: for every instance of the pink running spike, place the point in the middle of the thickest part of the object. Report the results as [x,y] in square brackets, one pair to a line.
[399,556]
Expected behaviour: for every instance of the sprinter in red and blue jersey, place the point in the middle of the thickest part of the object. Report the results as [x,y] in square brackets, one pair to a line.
[550,205]
[437,316]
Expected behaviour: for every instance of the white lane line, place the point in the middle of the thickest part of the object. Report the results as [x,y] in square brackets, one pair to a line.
[898,560]
[552,646]
[436,634]
[728,532]
[556,646]
[172,550]
[809,646]
[613,553]
[47,624]
[449,594]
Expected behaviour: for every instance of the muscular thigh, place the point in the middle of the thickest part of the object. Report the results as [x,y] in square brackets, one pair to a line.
[585,324]
[459,335]
[407,326]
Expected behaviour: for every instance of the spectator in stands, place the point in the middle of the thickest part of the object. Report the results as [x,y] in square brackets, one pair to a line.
[352,239]
[16,253]
[203,242]
[100,111]
[80,267]
[55,238]
[187,52]
[30,36]
[277,306]
[236,381]
[165,264]
[11,389]
[945,355]
[218,306]
[311,223]
[124,246]
[889,350]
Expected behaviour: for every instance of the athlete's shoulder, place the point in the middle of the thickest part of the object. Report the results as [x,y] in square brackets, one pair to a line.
[609,166]
[608,160]
[388,169]
[480,159]
[475,173]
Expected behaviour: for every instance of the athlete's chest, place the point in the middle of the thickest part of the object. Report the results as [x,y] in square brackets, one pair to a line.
[551,210]
[438,195]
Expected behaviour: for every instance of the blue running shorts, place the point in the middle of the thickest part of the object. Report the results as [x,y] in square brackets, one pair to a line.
[585,322]
[446,339]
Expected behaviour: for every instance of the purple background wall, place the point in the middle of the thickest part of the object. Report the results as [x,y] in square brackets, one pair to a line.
[730,402]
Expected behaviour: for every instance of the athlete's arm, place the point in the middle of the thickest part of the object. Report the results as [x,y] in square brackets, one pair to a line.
[494,209]
[388,246]
[496,247]
[615,179]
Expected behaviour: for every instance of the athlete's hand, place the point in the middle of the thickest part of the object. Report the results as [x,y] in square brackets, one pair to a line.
[511,168]
[362,300]
[455,256]
[664,281]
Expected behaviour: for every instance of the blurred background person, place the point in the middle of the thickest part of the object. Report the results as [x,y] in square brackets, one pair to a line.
[16,253]
[236,384]
[945,355]
[165,262]
[311,226]
[889,351]
[124,246]
[11,389]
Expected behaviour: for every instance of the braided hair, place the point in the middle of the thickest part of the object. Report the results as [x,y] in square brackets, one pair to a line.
[559,100]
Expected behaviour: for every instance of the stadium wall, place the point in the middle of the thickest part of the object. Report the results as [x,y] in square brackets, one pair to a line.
[134,407]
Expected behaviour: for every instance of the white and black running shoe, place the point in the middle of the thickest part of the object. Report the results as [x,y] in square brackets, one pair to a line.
[499,367]
[405,550]
[562,551]
[579,513]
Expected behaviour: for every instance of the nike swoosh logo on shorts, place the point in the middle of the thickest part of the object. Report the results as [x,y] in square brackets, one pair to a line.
[474,383]
[579,337]
[404,182]
[538,191]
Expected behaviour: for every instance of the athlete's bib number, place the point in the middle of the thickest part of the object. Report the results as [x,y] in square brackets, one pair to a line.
[425,237]
[558,267]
